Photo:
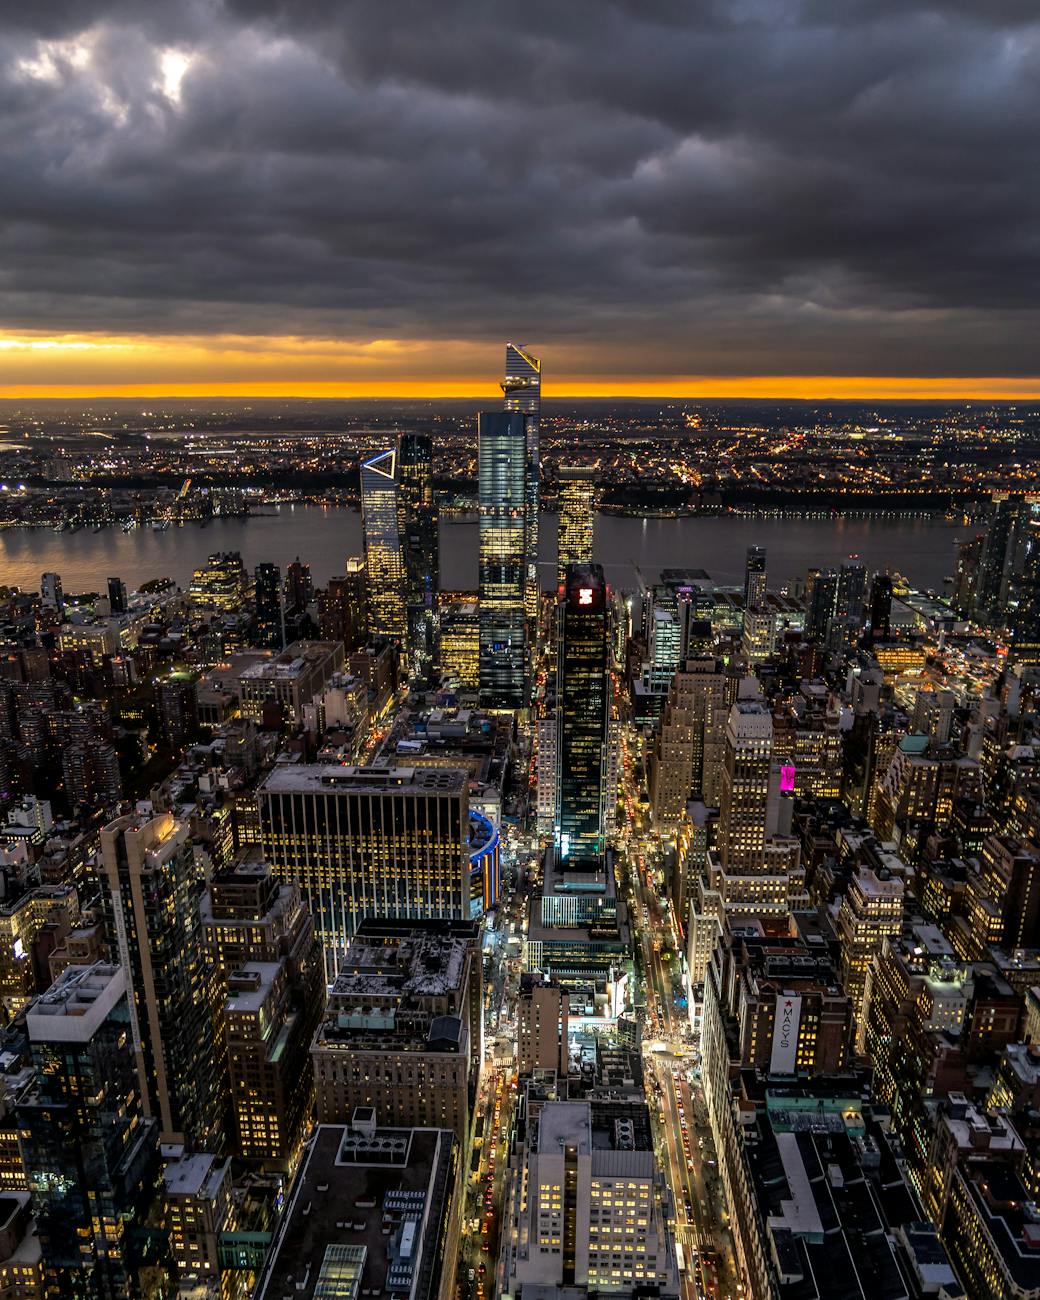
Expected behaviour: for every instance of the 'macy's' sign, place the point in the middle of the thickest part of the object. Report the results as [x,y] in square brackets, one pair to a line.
[785,1035]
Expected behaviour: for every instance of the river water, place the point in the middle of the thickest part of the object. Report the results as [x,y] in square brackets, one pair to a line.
[921,548]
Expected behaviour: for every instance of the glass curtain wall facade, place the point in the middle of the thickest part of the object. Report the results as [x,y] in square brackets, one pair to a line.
[522,387]
[383,552]
[270,621]
[577,487]
[502,460]
[418,532]
[582,712]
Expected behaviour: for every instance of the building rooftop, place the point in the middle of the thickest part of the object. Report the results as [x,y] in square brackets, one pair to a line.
[196,1174]
[250,985]
[366,1215]
[1010,1218]
[76,1004]
[304,778]
[422,963]
[828,1189]
[293,661]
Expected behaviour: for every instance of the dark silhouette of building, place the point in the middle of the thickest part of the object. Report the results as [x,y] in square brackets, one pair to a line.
[270,616]
[581,713]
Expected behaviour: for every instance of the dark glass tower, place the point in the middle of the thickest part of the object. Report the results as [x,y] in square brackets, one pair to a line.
[91,1156]
[117,595]
[502,459]
[997,557]
[881,606]
[850,596]
[270,623]
[820,599]
[417,512]
[522,386]
[299,588]
[1023,609]
[581,713]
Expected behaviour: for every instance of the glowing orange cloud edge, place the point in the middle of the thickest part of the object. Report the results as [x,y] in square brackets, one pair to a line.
[792,387]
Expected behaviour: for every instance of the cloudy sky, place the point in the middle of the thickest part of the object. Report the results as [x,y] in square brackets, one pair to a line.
[824,196]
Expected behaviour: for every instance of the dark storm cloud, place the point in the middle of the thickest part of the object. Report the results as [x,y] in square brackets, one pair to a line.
[747,185]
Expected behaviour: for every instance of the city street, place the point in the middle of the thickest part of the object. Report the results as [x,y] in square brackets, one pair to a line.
[684,1145]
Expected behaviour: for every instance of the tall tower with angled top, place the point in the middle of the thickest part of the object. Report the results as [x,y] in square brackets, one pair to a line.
[383,553]
[522,387]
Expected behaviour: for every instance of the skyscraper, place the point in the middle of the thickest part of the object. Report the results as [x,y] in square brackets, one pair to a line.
[881,606]
[755,577]
[178,699]
[299,587]
[502,460]
[261,939]
[151,898]
[577,522]
[270,617]
[1023,604]
[582,711]
[819,598]
[758,868]
[91,1155]
[745,788]
[850,596]
[117,595]
[686,760]
[383,554]
[997,552]
[418,530]
[375,841]
[522,387]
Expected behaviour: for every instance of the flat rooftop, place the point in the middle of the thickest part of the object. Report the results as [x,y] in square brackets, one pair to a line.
[76,1004]
[371,1202]
[249,985]
[321,778]
[194,1175]
[293,662]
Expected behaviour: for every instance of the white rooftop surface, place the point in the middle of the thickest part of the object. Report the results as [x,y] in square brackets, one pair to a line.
[800,1213]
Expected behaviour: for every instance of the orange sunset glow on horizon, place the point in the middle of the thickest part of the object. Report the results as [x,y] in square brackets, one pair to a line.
[91,366]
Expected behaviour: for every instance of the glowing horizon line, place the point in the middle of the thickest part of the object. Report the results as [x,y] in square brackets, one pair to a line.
[679,388]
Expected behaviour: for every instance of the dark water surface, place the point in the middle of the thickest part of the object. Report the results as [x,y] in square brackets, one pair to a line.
[921,548]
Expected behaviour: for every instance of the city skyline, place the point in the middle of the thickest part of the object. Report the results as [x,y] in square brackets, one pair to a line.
[553,826]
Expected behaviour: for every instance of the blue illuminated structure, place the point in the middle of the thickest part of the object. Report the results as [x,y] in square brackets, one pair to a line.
[484,872]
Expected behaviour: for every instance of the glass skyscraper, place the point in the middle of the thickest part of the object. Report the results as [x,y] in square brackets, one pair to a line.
[581,714]
[270,620]
[576,489]
[522,387]
[417,511]
[502,471]
[91,1156]
[383,553]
